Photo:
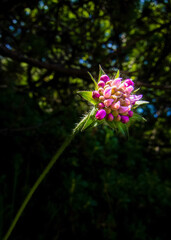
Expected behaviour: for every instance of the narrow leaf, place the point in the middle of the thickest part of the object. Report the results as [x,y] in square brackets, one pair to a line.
[87,95]
[90,119]
[141,102]
[117,74]
[123,129]
[101,72]
[119,127]
[134,118]
[80,124]
[95,83]
[136,90]
[112,125]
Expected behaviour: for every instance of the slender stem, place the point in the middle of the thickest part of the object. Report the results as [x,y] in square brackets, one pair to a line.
[37,183]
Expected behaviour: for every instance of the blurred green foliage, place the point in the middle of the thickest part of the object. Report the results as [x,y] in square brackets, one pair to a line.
[103,186]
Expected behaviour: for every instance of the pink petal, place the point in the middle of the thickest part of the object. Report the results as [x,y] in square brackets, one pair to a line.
[129,89]
[108,102]
[116,105]
[116,82]
[107,92]
[123,109]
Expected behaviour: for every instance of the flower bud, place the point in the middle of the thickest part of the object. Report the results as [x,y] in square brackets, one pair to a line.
[109,82]
[113,97]
[106,86]
[108,102]
[116,82]
[101,91]
[130,113]
[110,117]
[129,82]
[127,101]
[124,109]
[101,84]
[100,114]
[95,94]
[123,86]
[101,105]
[115,113]
[134,98]
[114,88]
[129,89]
[108,110]
[118,93]
[104,78]
[116,105]
[101,98]
[107,93]
[118,118]
[124,119]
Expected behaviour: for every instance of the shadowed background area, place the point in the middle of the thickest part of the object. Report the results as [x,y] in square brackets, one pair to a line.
[103,186]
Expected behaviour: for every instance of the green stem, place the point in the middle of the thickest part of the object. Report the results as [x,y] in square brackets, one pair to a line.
[39,180]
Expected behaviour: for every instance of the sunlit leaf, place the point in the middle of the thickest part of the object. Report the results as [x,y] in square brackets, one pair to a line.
[87,95]
[141,102]
[136,117]
[81,124]
[90,119]
[117,74]
[136,90]
[101,72]
[95,83]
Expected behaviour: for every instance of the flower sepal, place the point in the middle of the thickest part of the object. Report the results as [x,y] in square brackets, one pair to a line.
[87,95]
[119,128]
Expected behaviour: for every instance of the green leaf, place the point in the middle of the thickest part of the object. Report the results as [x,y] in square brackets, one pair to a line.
[87,95]
[80,125]
[119,127]
[136,90]
[117,74]
[90,119]
[95,83]
[134,118]
[112,125]
[123,129]
[141,102]
[101,72]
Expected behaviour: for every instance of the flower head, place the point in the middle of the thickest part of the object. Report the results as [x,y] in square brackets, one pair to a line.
[114,101]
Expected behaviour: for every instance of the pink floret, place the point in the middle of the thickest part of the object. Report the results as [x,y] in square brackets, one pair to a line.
[104,78]
[130,113]
[95,94]
[124,119]
[129,82]
[110,117]
[100,114]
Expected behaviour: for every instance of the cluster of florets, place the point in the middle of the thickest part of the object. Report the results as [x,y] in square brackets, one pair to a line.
[114,99]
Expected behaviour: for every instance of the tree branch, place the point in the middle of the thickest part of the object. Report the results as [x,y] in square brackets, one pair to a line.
[79,73]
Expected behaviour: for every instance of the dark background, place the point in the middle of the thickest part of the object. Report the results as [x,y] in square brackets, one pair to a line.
[103,186]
